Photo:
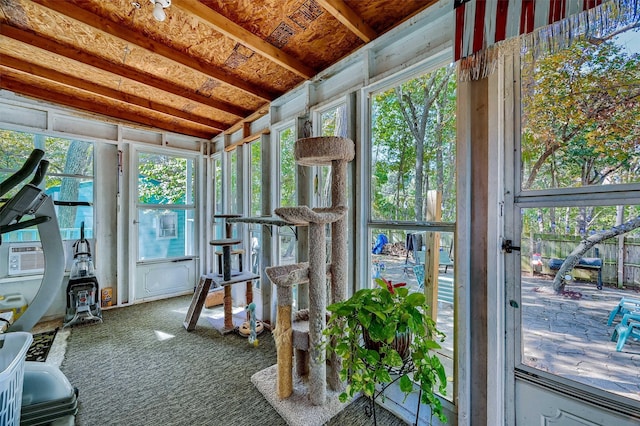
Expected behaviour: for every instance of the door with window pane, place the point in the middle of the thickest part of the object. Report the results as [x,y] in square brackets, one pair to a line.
[165,224]
[575,218]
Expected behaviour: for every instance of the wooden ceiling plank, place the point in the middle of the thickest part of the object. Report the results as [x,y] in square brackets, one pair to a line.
[343,13]
[117,69]
[247,38]
[11,61]
[9,81]
[88,18]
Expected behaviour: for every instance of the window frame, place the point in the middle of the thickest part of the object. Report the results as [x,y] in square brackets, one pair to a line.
[363,197]
[50,174]
[192,206]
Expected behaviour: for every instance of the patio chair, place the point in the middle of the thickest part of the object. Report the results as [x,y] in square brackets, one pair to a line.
[626,305]
[418,270]
[628,327]
[445,259]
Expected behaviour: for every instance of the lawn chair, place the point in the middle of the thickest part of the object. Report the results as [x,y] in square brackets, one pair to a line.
[418,270]
[626,305]
[628,327]
[445,259]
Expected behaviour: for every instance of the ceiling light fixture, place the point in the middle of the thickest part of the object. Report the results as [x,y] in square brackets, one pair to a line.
[158,9]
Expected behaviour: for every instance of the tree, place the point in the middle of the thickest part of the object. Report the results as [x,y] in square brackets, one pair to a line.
[572,260]
[79,157]
[163,179]
[413,135]
[288,173]
[580,128]
[415,99]
[580,109]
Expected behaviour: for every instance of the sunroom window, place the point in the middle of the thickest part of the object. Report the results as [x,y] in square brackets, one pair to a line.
[69,178]
[412,193]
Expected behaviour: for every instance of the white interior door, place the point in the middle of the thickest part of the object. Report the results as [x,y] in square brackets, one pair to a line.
[165,224]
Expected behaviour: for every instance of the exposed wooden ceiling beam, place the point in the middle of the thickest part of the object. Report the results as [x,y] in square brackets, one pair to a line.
[56,76]
[247,139]
[247,38]
[88,18]
[349,18]
[263,110]
[38,88]
[117,69]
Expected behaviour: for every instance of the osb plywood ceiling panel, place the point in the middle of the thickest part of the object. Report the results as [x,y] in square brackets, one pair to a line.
[208,67]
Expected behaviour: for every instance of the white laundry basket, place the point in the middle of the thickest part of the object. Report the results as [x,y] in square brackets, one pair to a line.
[13,352]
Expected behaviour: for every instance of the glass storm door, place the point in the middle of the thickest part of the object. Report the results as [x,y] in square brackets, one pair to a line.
[165,220]
[575,196]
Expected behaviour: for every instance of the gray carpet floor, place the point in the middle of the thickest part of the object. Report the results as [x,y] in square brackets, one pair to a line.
[141,367]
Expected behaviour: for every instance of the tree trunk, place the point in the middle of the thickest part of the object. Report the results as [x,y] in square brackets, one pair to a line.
[77,161]
[416,116]
[572,260]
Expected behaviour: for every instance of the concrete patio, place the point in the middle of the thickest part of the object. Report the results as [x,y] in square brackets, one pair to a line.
[566,335]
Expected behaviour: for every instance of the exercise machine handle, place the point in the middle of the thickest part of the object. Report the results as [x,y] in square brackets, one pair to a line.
[41,172]
[24,172]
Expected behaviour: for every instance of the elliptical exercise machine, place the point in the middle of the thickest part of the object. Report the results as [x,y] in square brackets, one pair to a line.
[47,395]
[32,201]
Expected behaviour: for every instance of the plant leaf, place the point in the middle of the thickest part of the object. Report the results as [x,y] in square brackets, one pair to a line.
[406,385]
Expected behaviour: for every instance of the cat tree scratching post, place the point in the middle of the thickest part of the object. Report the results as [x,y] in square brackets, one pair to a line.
[316,274]
[314,152]
[337,152]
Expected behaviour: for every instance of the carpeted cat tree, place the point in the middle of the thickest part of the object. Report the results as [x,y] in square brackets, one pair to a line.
[316,151]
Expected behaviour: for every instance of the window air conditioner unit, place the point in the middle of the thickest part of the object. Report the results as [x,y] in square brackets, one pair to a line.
[27,258]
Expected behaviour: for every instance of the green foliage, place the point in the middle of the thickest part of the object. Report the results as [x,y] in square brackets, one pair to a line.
[165,179]
[233,182]
[572,220]
[580,116]
[287,169]
[256,178]
[382,314]
[413,147]
[15,147]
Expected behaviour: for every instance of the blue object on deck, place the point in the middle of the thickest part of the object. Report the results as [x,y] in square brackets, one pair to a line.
[626,305]
[628,327]
[380,243]
[588,263]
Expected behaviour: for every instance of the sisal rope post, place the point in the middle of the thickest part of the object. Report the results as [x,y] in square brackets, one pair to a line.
[284,344]
[228,312]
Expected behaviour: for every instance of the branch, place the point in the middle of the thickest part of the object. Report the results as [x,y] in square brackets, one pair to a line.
[599,40]
[536,167]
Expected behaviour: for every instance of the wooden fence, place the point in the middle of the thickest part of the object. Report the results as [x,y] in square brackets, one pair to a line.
[560,246]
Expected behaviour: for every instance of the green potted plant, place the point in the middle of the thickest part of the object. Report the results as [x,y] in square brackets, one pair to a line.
[382,331]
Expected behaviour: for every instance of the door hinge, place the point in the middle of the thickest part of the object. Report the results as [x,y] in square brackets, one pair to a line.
[508,247]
